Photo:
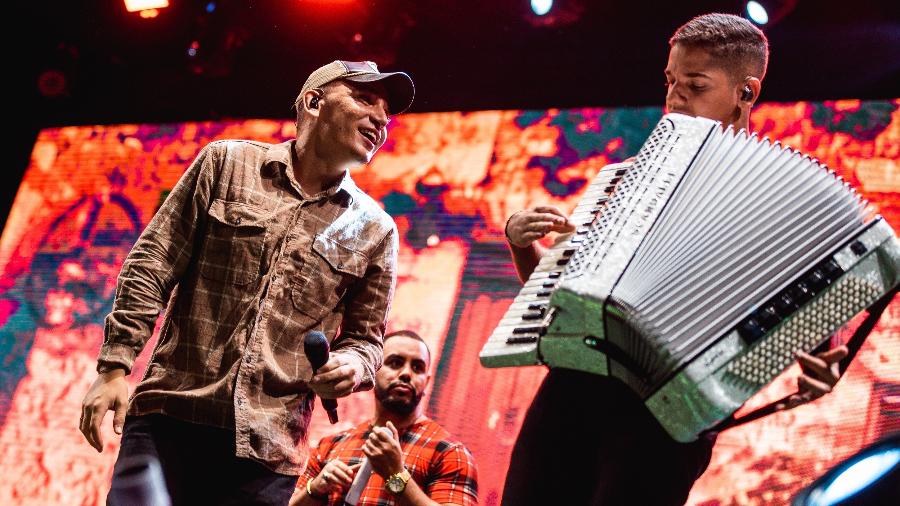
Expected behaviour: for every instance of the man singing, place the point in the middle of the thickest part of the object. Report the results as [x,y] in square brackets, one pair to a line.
[255,246]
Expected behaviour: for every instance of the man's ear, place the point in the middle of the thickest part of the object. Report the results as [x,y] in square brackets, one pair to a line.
[312,100]
[750,90]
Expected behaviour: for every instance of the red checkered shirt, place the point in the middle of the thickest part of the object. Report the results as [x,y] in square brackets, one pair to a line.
[440,465]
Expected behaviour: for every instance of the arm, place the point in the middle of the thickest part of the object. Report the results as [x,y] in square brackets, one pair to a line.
[357,351]
[322,478]
[455,478]
[386,456]
[523,230]
[150,272]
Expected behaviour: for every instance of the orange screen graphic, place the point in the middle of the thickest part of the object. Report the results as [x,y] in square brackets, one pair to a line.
[450,180]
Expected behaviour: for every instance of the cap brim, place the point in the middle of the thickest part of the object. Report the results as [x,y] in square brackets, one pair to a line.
[399,85]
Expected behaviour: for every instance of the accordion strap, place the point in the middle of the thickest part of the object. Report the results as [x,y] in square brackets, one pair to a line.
[853,345]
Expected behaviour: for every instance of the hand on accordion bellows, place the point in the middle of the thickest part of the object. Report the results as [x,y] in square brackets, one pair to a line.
[529,225]
[820,374]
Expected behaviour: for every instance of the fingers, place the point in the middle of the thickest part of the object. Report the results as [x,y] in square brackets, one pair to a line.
[816,388]
[371,449]
[91,417]
[394,432]
[334,385]
[541,227]
[93,410]
[96,420]
[335,361]
[119,417]
[564,227]
[835,354]
[548,210]
[381,436]
[525,227]
[340,475]
[527,238]
[337,378]
[813,366]
[85,426]
[337,474]
[794,400]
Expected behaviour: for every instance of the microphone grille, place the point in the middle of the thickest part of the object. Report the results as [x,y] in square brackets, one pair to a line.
[315,345]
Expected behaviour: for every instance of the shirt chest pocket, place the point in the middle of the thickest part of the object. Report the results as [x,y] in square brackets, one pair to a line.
[234,243]
[327,273]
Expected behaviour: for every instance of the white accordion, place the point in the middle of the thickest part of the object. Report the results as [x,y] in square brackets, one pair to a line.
[695,274]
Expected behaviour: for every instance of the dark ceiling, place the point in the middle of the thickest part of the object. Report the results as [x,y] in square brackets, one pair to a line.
[102,65]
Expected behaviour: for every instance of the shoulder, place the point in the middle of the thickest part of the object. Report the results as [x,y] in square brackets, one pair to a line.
[345,436]
[370,209]
[435,435]
[238,146]
[365,225]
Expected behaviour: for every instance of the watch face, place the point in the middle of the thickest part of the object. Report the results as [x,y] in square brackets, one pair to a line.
[395,484]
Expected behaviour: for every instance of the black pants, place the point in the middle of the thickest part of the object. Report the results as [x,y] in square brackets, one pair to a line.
[588,440]
[199,463]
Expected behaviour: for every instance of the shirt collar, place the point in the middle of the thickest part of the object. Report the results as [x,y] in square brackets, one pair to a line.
[279,156]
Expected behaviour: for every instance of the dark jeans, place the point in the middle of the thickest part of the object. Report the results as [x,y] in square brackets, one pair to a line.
[199,463]
[588,440]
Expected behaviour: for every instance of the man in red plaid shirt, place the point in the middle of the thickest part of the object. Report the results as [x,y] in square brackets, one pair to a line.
[414,460]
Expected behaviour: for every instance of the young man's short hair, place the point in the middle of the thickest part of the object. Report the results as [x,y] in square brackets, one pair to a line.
[410,334]
[741,47]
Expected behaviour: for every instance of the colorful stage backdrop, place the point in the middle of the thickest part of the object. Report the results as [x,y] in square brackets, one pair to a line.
[449,180]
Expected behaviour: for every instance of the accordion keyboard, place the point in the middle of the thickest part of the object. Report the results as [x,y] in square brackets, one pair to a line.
[515,340]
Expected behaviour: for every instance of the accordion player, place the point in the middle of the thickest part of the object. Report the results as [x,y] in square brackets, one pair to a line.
[695,275]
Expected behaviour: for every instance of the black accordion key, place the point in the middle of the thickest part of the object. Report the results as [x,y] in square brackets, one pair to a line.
[529,338]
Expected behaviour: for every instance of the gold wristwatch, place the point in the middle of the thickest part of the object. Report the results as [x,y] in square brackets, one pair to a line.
[396,483]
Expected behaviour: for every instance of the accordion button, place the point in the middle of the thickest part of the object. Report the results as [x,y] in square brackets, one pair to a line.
[832,270]
[750,331]
[858,247]
[785,305]
[767,317]
[816,280]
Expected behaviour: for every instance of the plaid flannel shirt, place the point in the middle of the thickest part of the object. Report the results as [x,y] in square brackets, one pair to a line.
[441,466]
[247,264]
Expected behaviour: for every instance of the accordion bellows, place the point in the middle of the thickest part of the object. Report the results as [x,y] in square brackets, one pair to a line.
[712,260]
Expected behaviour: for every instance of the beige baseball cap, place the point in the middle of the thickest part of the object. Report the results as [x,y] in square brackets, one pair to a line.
[399,85]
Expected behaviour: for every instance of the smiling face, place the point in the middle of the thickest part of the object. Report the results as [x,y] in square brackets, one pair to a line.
[697,85]
[352,122]
[401,381]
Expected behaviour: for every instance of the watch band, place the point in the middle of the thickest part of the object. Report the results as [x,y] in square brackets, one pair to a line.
[310,493]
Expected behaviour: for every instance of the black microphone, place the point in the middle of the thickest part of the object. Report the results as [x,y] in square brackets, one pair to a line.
[315,345]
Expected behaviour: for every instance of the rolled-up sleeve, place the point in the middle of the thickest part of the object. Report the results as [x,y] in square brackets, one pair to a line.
[156,263]
[367,307]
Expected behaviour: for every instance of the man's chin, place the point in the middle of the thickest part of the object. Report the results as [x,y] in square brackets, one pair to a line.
[399,406]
